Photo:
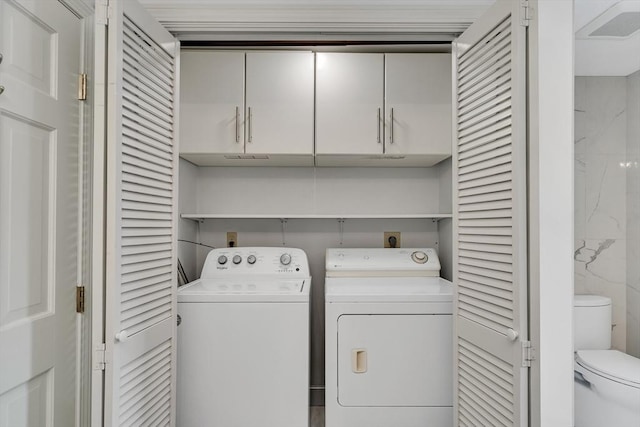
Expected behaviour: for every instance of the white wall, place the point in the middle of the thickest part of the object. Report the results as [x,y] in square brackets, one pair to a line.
[187,229]
[551,211]
[600,193]
[633,214]
[332,191]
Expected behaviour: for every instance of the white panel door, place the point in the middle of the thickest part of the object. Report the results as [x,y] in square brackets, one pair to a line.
[212,102]
[418,104]
[141,216]
[394,360]
[490,217]
[349,103]
[39,216]
[279,106]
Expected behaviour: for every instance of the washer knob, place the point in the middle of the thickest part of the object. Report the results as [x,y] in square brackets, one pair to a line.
[419,257]
[237,259]
[251,259]
[222,259]
[285,259]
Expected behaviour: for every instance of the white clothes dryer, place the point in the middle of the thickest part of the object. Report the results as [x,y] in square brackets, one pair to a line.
[243,340]
[388,342]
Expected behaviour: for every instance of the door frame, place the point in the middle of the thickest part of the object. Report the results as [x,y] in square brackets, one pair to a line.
[84,11]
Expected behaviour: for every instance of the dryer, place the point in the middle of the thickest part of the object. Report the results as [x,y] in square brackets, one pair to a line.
[243,340]
[388,345]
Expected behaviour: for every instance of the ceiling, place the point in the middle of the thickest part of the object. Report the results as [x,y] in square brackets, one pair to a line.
[291,19]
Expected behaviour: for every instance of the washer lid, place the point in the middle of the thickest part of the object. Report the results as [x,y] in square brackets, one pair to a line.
[245,289]
[612,364]
[387,289]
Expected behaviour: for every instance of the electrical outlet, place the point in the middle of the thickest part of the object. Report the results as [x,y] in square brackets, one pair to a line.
[389,237]
[232,239]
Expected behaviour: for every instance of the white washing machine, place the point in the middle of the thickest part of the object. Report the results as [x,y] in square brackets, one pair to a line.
[243,340]
[388,358]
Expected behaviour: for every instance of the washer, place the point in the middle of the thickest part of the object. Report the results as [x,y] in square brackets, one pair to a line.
[243,340]
[388,342]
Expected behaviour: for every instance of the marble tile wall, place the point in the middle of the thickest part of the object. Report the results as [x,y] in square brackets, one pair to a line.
[601,194]
[633,214]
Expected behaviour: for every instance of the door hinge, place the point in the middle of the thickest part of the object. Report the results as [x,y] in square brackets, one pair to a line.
[100,357]
[528,354]
[526,13]
[103,12]
[79,299]
[82,87]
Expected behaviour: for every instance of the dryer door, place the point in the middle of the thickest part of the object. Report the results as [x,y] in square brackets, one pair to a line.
[395,360]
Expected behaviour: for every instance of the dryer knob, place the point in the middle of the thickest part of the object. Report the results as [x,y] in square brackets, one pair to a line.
[222,259]
[251,259]
[237,259]
[419,257]
[285,259]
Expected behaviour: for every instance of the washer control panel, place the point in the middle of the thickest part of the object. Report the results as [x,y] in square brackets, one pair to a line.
[291,262]
[379,261]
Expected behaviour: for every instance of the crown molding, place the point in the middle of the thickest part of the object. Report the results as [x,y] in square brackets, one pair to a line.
[182,18]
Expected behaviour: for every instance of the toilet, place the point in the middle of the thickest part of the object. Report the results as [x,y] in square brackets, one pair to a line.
[606,382]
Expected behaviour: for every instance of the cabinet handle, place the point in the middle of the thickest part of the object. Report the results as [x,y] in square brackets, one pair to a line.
[378,125]
[237,124]
[250,126]
[391,128]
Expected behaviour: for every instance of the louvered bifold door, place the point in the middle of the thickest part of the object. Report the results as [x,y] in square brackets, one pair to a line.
[142,156]
[489,173]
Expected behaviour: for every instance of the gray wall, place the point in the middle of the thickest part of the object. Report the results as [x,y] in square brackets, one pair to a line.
[633,214]
[338,191]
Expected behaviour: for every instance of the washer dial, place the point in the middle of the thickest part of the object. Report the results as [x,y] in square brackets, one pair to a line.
[222,260]
[285,259]
[251,259]
[237,259]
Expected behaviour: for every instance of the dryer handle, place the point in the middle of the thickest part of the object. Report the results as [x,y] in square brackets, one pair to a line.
[580,379]
[359,360]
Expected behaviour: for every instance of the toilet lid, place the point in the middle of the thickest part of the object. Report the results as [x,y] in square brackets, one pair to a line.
[613,364]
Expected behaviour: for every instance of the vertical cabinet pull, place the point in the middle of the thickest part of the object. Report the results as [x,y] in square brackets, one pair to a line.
[378,125]
[391,128]
[359,360]
[237,124]
[250,125]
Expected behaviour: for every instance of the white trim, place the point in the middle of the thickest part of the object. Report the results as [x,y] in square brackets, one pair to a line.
[201,217]
[181,17]
[81,8]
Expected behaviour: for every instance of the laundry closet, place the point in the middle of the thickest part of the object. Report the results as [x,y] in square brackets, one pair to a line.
[315,150]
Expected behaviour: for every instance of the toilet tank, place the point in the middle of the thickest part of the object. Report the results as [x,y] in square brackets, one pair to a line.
[591,322]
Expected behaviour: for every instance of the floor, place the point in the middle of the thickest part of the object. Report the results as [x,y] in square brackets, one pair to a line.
[317,416]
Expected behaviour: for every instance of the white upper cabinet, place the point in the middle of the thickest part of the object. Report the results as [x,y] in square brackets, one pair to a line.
[211,103]
[418,104]
[383,109]
[349,103]
[253,109]
[279,106]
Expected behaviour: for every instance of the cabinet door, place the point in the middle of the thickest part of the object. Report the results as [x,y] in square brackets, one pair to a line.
[279,104]
[211,102]
[418,104]
[349,102]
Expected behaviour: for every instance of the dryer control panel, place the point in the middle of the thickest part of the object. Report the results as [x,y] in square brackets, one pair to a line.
[382,262]
[263,261]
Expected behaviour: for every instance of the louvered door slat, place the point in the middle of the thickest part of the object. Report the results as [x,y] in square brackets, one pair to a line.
[489,167]
[142,177]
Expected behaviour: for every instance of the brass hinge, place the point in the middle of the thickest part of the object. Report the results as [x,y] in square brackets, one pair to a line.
[82,87]
[79,299]
[526,13]
[528,354]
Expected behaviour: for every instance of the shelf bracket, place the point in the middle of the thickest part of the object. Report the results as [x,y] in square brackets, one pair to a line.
[283,225]
[341,225]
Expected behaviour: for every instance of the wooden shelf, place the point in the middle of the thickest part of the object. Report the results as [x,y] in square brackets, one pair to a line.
[202,217]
